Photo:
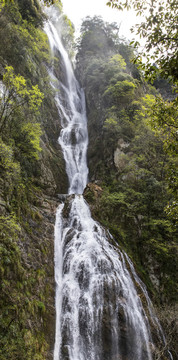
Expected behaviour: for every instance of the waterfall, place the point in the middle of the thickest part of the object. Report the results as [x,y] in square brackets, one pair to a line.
[99,311]
[70,102]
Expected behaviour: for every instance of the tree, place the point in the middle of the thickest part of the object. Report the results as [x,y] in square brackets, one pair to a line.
[3,3]
[49,2]
[19,107]
[46,2]
[15,95]
[121,92]
[159,29]
[97,37]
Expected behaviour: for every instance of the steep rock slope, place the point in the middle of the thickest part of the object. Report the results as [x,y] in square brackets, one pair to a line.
[32,174]
[127,161]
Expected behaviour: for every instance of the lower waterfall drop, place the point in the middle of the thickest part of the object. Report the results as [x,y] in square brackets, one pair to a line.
[99,312]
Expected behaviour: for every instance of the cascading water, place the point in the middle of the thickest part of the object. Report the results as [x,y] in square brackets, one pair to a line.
[99,313]
[70,101]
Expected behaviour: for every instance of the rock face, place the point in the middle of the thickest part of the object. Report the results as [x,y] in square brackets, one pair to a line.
[37,254]
[129,160]
[92,189]
[27,280]
[28,192]
[119,155]
[53,178]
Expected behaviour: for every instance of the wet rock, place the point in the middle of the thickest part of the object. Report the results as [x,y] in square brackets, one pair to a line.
[62,197]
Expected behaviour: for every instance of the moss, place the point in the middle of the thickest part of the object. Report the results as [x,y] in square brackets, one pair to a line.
[24,294]
[116,212]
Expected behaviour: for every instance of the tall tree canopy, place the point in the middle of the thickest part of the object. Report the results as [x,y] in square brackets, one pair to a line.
[4,2]
[159,29]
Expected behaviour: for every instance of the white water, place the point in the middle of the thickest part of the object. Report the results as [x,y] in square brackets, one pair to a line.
[99,314]
[97,295]
[70,101]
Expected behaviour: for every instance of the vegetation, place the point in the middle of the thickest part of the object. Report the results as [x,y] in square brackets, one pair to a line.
[161,56]
[128,155]
[28,172]
[161,41]
[131,153]
[15,100]
[20,299]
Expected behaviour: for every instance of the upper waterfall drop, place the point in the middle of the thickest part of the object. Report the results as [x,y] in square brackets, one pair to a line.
[74,135]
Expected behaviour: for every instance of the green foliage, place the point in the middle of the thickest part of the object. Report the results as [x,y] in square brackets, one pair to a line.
[117,62]
[18,105]
[18,302]
[111,123]
[67,32]
[7,160]
[143,107]
[11,181]
[121,92]
[128,155]
[16,97]
[2,4]
[9,230]
[133,212]
[98,40]
[161,58]
[24,54]
[105,35]
[161,41]
[31,140]
[164,122]
[49,2]
[164,119]
[31,43]
[161,115]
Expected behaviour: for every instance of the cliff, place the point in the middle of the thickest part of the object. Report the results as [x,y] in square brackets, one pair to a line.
[32,174]
[128,164]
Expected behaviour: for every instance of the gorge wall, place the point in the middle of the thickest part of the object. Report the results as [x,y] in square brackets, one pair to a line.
[32,174]
[127,161]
